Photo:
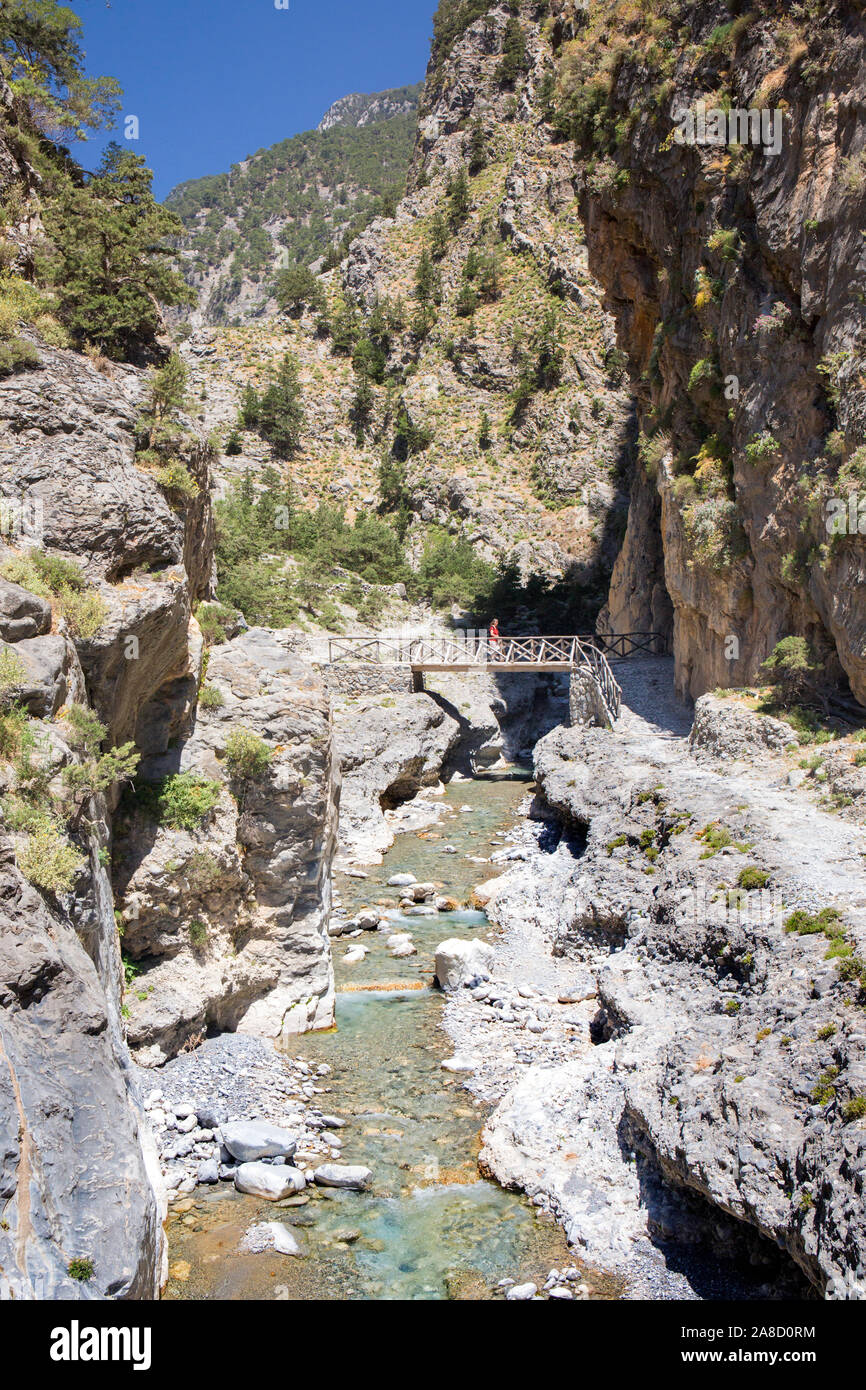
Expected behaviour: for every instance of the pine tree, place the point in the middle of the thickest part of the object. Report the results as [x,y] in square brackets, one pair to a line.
[477,153]
[513,61]
[248,412]
[485,436]
[344,328]
[361,412]
[43,62]
[298,289]
[281,414]
[110,258]
[428,281]
[439,237]
[461,201]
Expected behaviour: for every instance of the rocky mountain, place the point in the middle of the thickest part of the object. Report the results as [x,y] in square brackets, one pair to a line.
[294,202]
[363,109]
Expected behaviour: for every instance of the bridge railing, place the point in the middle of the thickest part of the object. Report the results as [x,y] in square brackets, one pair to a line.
[568,653]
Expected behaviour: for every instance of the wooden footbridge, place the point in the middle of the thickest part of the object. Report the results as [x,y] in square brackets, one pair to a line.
[478,651]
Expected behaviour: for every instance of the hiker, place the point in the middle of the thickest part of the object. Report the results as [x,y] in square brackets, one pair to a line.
[493,646]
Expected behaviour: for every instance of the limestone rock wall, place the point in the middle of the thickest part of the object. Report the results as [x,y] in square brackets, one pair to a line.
[228,922]
[734,274]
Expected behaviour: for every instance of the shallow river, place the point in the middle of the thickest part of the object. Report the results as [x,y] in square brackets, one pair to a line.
[430,1228]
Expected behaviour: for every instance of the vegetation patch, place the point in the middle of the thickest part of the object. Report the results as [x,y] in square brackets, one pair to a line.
[181,801]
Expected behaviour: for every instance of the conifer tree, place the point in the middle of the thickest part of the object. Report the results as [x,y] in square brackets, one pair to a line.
[110,260]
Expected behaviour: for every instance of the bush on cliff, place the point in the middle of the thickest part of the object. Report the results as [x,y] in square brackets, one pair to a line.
[181,801]
[47,859]
[63,582]
[247,756]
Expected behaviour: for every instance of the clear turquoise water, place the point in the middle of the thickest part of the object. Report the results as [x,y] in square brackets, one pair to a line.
[430,1228]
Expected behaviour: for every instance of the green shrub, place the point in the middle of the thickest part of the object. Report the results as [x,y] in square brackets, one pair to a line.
[13,672]
[198,933]
[80,1269]
[176,478]
[181,801]
[762,447]
[725,242]
[854,1109]
[215,621]
[17,355]
[210,697]
[51,577]
[791,668]
[752,878]
[703,371]
[827,921]
[247,756]
[716,837]
[824,1091]
[828,1031]
[47,859]
[14,731]
[201,870]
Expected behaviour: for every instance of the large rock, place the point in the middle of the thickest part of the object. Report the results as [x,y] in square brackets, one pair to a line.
[22,614]
[248,1140]
[459,961]
[389,748]
[256,877]
[67,446]
[270,1181]
[728,729]
[77,1164]
[52,675]
[353,1177]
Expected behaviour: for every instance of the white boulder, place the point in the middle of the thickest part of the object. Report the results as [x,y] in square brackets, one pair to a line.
[272,1182]
[458,962]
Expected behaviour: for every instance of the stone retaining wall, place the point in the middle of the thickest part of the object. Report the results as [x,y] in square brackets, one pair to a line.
[585,704]
[356,679]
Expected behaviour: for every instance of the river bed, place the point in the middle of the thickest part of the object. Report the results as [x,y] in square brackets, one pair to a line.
[430,1227]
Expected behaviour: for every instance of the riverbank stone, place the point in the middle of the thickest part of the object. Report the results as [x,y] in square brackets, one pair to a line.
[460,962]
[270,1182]
[354,1178]
[249,1140]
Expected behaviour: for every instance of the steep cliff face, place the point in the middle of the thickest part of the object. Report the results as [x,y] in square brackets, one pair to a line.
[734,269]
[119,568]
[228,921]
[79,1178]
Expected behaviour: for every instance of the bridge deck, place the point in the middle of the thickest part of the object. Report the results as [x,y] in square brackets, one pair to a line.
[478,651]
[495,666]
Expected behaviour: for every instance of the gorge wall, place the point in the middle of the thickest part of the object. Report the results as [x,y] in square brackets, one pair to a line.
[222,923]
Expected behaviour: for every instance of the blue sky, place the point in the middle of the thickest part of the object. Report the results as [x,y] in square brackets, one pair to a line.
[211,81]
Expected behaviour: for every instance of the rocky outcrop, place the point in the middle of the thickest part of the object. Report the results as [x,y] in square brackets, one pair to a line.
[389,748]
[228,920]
[67,449]
[728,730]
[362,108]
[79,1180]
[501,714]
[730,266]
[721,1098]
